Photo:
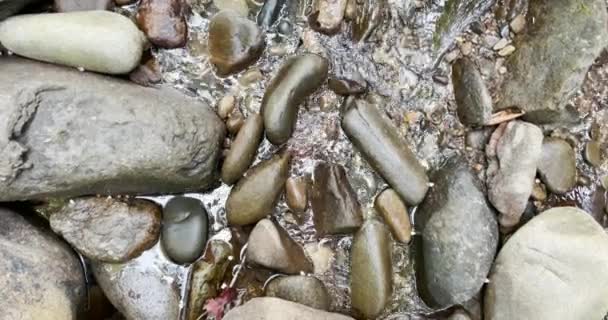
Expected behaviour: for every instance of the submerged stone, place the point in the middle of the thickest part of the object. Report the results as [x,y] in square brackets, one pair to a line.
[185,228]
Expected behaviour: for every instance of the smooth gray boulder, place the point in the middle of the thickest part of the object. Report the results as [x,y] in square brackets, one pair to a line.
[99,41]
[277,309]
[40,276]
[513,153]
[65,133]
[459,237]
[10,7]
[554,267]
[562,40]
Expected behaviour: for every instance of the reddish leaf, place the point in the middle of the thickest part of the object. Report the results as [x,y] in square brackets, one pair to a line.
[217,305]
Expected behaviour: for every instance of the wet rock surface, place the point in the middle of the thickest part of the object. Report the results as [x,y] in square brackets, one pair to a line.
[557,165]
[334,202]
[298,77]
[163,22]
[513,152]
[38,272]
[371,275]
[235,42]
[271,247]
[327,15]
[573,34]
[185,229]
[146,287]
[380,144]
[459,237]
[296,194]
[243,149]
[305,290]
[108,230]
[255,196]
[99,41]
[472,96]
[181,147]
[564,252]
[395,214]
[277,309]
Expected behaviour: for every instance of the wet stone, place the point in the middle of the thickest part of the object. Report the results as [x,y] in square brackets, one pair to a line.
[557,165]
[298,78]
[395,214]
[225,106]
[235,122]
[296,194]
[269,13]
[278,309]
[305,290]
[335,207]
[148,72]
[83,5]
[346,87]
[108,230]
[371,269]
[379,142]
[327,15]
[256,195]
[560,255]
[513,154]
[459,237]
[472,96]
[235,42]
[593,153]
[561,43]
[184,230]
[243,149]
[271,247]
[163,22]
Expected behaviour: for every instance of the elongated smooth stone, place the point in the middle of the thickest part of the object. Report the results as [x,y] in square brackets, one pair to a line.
[243,149]
[379,142]
[299,77]
[255,196]
[99,41]
[89,134]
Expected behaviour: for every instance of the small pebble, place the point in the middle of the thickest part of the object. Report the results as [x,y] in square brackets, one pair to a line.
[235,122]
[395,214]
[518,24]
[538,192]
[251,76]
[225,106]
[593,153]
[506,51]
[296,194]
[466,48]
[500,44]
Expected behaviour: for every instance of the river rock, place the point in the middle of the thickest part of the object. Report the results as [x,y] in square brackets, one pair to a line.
[40,275]
[255,196]
[513,153]
[269,13]
[346,86]
[298,77]
[99,41]
[369,15]
[83,5]
[305,290]
[207,276]
[334,202]
[593,153]
[552,58]
[393,210]
[185,229]
[371,272]
[554,267]
[557,165]
[327,15]
[379,142]
[277,309]
[90,134]
[243,149]
[146,287]
[108,230]
[163,22]
[235,42]
[473,100]
[271,247]
[459,237]
[456,17]
[296,194]
[10,7]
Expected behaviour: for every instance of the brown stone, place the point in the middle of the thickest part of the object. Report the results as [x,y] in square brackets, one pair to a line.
[163,22]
